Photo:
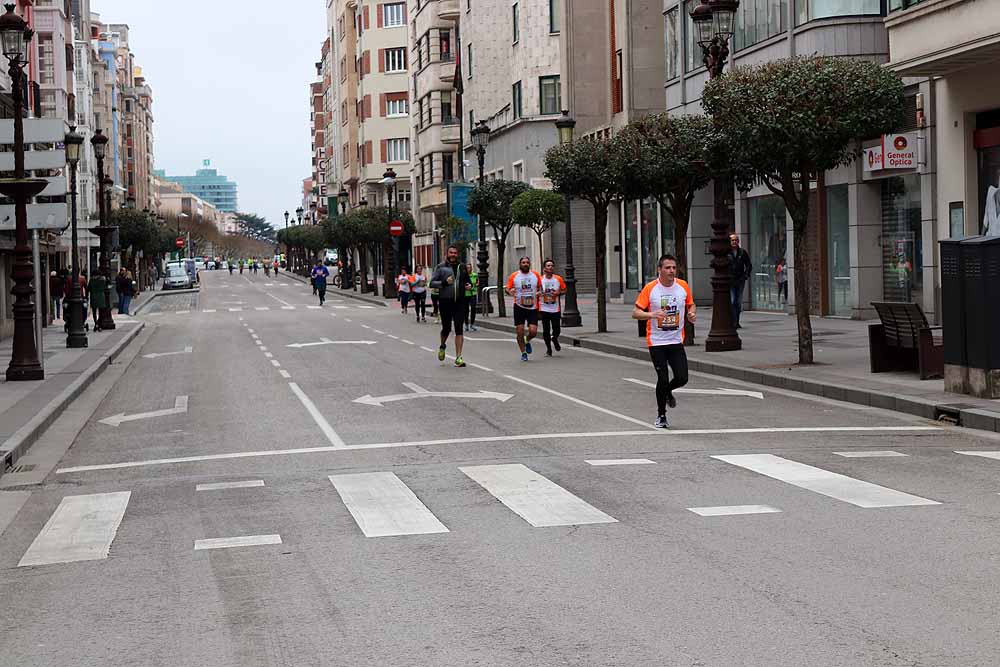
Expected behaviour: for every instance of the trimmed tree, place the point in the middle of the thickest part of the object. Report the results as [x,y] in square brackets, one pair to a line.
[492,202]
[455,230]
[592,170]
[782,122]
[539,211]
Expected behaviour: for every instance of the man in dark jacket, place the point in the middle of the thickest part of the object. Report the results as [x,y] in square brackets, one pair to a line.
[451,279]
[740,268]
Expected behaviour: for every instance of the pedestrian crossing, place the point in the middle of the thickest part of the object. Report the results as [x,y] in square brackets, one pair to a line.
[383,505]
[330,305]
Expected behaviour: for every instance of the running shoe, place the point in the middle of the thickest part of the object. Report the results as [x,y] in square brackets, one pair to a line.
[524,356]
[460,362]
[661,422]
[671,401]
[548,353]
[441,352]
[557,345]
[473,328]
[527,348]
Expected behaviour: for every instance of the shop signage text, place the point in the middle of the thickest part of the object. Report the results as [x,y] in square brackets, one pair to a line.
[894,151]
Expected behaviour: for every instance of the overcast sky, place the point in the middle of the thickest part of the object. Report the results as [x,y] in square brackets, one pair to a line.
[230,82]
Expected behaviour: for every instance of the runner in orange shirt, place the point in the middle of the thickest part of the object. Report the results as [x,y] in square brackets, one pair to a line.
[553,287]
[524,285]
[666,304]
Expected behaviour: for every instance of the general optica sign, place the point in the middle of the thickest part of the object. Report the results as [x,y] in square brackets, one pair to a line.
[894,151]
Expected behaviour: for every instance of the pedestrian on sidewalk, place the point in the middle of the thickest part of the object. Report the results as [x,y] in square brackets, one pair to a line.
[274,265]
[123,285]
[781,277]
[95,292]
[452,280]
[550,310]
[318,276]
[56,285]
[418,284]
[666,304]
[740,268]
[403,289]
[524,285]
[472,297]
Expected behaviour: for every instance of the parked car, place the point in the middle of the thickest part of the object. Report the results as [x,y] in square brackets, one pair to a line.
[188,265]
[176,277]
[199,264]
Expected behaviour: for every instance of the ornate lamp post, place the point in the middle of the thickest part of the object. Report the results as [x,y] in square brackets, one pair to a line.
[24,362]
[104,318]
[312,212]
[714,20]
[391,270]
[480,140]
[77,337]
[345,197]
[571,312]
[298,213]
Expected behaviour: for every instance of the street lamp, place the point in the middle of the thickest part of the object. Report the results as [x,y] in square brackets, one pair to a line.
[24,362]
[105,320]
[571,312]
[714,20]
[480,140]
[298,213]
[391,268]
[345,197]
[77,337]
[312,212]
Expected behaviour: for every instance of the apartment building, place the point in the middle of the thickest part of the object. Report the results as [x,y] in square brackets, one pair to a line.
[138,141]
[373,63]
[54,37]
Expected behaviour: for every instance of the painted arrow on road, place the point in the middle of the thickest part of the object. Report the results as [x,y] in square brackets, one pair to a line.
[154,355]
[420,392]
[180,407]
[327,341]
[712,392]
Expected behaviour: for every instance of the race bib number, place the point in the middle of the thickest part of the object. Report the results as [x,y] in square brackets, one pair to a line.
[527,300]
[672,319]
[549,297]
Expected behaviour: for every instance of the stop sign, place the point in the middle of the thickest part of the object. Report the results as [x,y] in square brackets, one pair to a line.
[396,228]
[179,242]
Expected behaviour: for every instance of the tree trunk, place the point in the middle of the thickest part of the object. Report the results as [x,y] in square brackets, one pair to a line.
[680,209]
[601,252]
[800,219]
[541,251]
[363,265]
[388,270]
[501,294]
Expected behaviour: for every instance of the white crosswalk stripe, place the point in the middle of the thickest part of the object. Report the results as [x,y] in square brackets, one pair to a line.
[81,528]
[383,506]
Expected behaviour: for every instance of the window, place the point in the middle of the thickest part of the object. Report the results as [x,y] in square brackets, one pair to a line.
[397,107]
[757,20]
[397,150]
[468,61]
[515,100]
[519,171]
[446,116]
[618,103]
[555,15]
[514,30]
[393,14]
[444,41]
[472,123]
[548,88]
[395,59]
[807,10]
[447,167]
[672,45]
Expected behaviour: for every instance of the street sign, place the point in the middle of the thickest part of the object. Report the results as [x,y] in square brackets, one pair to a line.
[179,242]
[396,228]
[46,157]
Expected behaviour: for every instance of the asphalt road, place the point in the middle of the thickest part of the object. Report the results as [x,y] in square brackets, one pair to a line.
[232,502]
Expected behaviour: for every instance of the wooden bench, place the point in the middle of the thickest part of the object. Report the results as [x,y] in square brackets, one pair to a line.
[904,341]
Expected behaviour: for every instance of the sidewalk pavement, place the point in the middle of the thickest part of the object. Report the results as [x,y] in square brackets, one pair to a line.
[28,408]
[770,357]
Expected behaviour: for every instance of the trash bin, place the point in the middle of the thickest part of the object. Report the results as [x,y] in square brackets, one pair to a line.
[980,273]
[953,312]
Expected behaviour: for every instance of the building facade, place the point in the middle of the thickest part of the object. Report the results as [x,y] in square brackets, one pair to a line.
[208,184]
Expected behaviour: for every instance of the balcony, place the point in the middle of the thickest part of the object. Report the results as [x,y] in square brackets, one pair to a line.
[939,37]
[449,10]
[451,130]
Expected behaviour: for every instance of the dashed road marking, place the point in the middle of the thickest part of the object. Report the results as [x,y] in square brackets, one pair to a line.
[729,510]
[231,542]
[218,486]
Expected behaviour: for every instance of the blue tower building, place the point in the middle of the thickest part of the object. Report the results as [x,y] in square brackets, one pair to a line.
[209,185]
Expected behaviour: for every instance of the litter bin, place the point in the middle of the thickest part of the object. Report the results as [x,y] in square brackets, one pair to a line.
[980,266]
[956,358]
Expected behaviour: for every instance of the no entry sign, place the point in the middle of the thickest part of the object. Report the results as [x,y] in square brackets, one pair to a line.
[396,228]
[179,242]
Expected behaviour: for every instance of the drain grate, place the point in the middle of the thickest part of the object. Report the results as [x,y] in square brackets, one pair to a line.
[25,467]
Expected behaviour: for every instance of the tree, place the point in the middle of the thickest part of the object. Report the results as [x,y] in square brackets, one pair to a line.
[539,211]
[592,170]
[669,158]
[255,227]
[492,202]
[783,122]
[457,231]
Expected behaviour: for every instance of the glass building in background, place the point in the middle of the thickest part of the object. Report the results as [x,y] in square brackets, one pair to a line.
[209,185]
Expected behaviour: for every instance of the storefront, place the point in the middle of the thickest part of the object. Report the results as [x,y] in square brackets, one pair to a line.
[648,232]
[902,240]
[768,246]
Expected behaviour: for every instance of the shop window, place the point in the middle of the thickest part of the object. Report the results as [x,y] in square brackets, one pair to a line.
[902,240]
[808,10]
[768,253]
[631,246]
[838,223]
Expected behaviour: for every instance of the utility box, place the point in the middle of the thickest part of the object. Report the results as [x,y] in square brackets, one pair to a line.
[953,310]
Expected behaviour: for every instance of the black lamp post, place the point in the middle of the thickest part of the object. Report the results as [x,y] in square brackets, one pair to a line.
[714,20]
[480,140]
[312,212]
[24,363]
[391,270]
[571,312]
[104,318]
[344,196]
[77,337]
[286,220]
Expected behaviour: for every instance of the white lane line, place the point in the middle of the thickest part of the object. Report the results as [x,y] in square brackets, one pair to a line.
[216,486]
[367,307]
[317,416]
[729,510]
[285,374]
[231,542]
[408,342]
[348,319]
[341,307]
[268,355]
[985,455]
[365,326]
[81,528]
[383,506]
[817,480]
[480,367]
[870,455]
[581,402]
[381,333]
[486,439]
[209,310]
[536,499]
[251,331]
[262,348]
[275,363]
[288,307]
[262,308]
[235,310]
[393,337]
[424,348]
[314,307]
[619,462]
[285,304]
[244,323]
[181,312]
[491,340]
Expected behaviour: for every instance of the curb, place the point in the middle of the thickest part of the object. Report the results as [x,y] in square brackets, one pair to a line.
[336,291]
[158,293]
[968,416]
[22,439]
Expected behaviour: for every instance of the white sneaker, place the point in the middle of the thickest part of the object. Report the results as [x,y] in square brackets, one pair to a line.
[661,422]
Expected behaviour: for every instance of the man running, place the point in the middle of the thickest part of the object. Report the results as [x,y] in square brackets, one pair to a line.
[319,275]
[418,284]
[403,289]
[549,310]
[666,304]
[451,279]
[524,285]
